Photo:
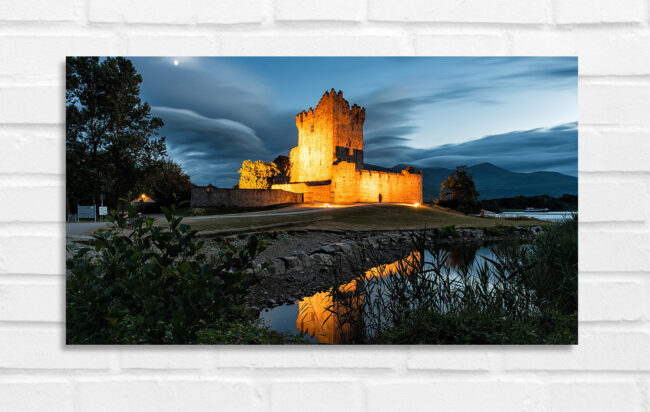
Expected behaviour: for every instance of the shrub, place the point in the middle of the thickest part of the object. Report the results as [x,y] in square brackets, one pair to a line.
[151,284]
[449,231]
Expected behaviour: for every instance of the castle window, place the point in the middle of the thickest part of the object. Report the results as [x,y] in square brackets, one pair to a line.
[312,128]
[353,128]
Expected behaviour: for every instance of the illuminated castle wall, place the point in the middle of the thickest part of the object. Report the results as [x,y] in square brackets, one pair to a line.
[327,164]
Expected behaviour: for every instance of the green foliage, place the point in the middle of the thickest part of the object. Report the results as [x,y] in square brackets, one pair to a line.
[167,183]
[459,192]
[525,294]
[283,163]
[152,285]
[257,174]
[449,231]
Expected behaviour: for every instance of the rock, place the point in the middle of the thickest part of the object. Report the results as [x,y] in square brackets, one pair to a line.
[276,267]
[327,249]
[292,263]
[345,247]
[322,259]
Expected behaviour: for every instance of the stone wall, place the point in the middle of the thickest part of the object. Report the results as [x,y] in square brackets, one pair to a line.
[312,192]
[351,185]
[213,197]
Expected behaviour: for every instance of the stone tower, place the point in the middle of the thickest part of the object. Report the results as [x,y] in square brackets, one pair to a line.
[329,134]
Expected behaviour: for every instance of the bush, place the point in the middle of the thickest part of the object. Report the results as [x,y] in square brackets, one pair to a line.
[449,231]
[153,285]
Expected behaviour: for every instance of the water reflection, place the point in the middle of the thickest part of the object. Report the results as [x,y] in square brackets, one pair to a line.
[332,317]
[320,315]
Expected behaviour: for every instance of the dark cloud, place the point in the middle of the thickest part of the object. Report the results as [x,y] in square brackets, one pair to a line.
[553,149]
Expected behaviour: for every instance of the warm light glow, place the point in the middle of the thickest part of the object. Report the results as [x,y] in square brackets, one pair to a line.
[142,196]
[416,204]
[326,205]
[175,62]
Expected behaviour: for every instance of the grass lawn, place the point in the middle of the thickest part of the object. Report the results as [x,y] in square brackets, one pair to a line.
[370,217]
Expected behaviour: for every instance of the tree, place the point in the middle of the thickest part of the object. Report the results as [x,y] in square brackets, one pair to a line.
[257,174]
[168,183]
[112,140]
[284,166]
[459,192]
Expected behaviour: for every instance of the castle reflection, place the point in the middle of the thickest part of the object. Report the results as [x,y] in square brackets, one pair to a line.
[335,316]
[332,317]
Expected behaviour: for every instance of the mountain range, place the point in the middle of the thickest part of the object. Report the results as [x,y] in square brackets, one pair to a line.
[495,182]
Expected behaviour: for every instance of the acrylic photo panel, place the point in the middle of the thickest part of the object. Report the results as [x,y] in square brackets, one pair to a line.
[321,200]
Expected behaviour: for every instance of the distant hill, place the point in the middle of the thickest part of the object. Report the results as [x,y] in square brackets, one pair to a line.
[494,182]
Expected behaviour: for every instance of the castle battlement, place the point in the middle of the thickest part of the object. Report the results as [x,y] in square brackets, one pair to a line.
[333,101]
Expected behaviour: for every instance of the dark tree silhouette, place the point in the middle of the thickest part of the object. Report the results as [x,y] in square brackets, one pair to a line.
[112,141]
[459,192]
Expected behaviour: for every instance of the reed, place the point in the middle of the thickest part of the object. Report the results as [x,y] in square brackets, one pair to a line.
[523,294]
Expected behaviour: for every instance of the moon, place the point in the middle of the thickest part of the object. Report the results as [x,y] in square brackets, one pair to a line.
[175,62]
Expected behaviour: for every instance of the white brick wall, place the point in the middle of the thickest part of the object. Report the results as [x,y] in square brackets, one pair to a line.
[609,369]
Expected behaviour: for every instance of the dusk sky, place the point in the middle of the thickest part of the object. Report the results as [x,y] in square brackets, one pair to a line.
[517,113]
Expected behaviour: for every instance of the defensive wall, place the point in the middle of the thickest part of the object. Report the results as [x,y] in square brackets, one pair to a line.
[214,197]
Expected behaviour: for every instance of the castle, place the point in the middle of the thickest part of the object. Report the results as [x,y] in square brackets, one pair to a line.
[327,165]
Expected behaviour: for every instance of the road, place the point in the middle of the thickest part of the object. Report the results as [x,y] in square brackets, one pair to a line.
[77,229]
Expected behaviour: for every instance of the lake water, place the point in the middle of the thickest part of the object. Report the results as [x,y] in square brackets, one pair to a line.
[547,216]
[310,317]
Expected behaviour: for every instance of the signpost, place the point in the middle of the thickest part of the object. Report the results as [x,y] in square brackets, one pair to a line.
[86,212]
[103,210]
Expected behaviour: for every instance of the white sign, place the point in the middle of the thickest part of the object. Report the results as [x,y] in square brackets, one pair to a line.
[103,210]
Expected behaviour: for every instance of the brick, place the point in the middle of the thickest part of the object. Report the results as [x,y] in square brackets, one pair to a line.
[162,45]
[174,12]
[280,357]
[36,10]
[600,52]
[314,45]
[36,396]
[37,104]
[618,104]
[595,396]
[165,395]
[43,57]
[32,302]
[45,349]
[614,151]
[612,301]
[28,204]
[460,45]
[613,251]
[450,395]
[291,396]
[338,10]
[170,357]
[32,150]
[472,11]
[32,255]
[598,350]
[449,358]
[599,11]
[612,200]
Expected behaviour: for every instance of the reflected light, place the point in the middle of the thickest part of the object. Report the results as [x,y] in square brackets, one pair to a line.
[416,204]
[175,62]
